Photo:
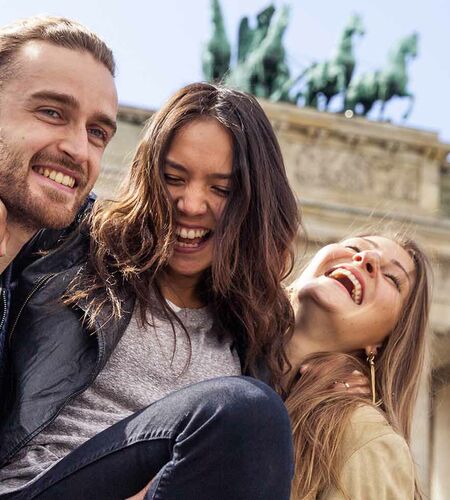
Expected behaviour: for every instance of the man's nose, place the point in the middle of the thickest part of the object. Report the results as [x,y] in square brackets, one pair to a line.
[75,144]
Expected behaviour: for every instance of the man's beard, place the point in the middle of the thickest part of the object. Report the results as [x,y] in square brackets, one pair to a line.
[29,211]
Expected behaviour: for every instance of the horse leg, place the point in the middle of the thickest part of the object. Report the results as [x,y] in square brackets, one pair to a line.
[381,114]
[410,107]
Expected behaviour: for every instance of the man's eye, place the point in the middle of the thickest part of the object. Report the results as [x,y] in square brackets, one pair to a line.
[98,133]
[52,113]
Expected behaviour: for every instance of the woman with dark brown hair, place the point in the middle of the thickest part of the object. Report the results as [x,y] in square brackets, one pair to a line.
[361,304]
[169,289]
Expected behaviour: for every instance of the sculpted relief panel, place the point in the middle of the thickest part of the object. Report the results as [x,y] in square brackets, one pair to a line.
[351,173]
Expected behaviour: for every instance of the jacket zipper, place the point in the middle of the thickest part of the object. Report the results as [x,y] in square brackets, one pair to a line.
[2,322]
[42,281]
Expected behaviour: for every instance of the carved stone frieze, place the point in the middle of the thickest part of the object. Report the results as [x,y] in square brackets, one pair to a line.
[350,173]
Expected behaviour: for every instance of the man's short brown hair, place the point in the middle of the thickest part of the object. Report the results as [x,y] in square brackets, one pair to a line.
[55,30]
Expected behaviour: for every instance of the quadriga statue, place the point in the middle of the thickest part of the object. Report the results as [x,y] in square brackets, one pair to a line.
[367,89]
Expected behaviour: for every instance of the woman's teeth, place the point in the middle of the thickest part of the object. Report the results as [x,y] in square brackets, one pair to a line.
[356,292]
[190,238]
[56,176]
[187,245]
[191,234]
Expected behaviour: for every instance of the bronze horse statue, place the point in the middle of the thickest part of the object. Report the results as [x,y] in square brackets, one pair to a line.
[262,69]
[332,77]
[367,89]
[216,54]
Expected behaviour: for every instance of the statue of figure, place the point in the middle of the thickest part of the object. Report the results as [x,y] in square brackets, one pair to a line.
[262,68]
[248,38]
[332,77]
[365,90]
[217,53]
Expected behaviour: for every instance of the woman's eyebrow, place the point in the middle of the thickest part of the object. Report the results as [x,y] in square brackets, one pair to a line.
[397,263]
[372,243]
[175,165]
[181,168]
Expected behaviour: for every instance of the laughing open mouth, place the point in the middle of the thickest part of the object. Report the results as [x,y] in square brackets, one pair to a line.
[349,281]
[191,238]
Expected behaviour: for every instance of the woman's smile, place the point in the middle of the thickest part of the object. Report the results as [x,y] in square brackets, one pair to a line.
[191,239]
[351,279]
[198,177]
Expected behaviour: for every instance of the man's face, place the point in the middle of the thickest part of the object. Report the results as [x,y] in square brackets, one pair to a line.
[57,114]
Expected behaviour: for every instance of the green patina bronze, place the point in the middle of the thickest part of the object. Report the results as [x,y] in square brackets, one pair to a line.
[217,53]
[330,78]
[367,89]
[261,67]
[249,39]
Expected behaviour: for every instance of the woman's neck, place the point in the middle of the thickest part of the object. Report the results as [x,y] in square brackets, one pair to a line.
[312,334]
[180,290]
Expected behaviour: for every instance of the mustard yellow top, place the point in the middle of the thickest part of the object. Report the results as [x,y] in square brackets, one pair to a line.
[378,463]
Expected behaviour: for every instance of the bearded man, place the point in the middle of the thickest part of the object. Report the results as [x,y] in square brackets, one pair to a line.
[58,107]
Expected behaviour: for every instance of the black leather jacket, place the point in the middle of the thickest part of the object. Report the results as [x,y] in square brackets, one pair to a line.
[52,356]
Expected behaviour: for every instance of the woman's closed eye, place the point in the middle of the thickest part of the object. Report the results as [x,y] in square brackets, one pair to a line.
[173,179]
[222,191]
[394,280]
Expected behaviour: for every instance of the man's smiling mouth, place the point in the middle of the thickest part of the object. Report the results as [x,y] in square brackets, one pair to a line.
[58,177]
[346,278]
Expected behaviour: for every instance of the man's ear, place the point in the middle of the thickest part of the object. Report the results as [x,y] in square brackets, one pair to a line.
[372,348]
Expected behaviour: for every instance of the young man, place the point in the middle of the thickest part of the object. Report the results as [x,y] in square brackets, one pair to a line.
[58,106]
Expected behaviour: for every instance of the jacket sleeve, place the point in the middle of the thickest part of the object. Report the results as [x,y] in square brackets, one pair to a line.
[381,469]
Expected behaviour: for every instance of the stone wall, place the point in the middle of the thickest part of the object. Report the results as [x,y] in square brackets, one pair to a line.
[345,173]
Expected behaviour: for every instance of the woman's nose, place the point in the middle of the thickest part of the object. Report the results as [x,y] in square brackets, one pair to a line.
[369,260]
[192,203]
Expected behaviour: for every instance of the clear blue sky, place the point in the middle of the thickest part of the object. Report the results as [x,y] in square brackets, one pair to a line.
[158,43]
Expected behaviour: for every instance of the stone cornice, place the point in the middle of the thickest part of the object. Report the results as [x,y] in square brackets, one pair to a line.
[134,115]
[317,125]
[321,125]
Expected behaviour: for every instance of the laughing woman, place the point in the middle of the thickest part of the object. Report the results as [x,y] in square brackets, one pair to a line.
[361,304]
[175,286]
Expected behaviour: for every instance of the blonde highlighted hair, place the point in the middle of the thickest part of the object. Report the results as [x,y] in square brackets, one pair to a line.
[320,416]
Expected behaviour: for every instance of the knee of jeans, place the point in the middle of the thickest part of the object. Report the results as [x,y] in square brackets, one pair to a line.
[247,406]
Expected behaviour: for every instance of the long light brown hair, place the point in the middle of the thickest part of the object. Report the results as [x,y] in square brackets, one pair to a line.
[320,416]
[132,238]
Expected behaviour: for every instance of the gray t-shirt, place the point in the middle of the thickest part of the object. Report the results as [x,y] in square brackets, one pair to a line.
[148,363]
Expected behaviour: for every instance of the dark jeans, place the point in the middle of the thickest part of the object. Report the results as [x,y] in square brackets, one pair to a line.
[225,438]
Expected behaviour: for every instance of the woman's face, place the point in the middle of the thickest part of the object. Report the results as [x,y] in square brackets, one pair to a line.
[357,288]
[198,176]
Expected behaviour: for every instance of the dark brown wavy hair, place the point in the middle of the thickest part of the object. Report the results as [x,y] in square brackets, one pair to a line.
[132,237]
[320,416]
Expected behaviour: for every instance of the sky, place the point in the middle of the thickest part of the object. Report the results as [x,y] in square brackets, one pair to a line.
[158,44]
